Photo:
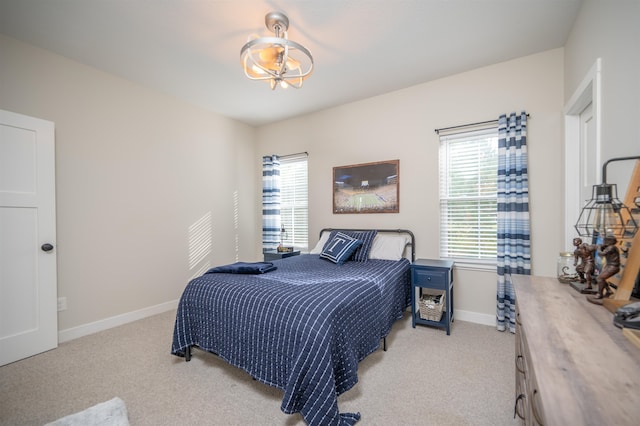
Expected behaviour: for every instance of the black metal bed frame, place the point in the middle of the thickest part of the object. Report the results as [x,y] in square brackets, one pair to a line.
[412,244]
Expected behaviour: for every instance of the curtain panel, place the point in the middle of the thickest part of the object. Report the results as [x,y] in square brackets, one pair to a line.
[270,202]
[513,222]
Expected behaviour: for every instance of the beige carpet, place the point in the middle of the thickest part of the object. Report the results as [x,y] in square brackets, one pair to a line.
[425,378]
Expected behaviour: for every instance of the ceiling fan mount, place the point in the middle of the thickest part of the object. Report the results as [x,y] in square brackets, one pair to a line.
[276,21]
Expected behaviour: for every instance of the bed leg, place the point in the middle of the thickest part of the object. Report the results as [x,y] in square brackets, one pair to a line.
[187,354]
[384,344]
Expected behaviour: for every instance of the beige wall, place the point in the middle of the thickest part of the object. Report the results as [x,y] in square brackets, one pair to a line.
[400,125]
[134,169]
[610,31]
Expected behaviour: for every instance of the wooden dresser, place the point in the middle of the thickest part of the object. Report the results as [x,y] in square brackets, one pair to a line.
[573,366]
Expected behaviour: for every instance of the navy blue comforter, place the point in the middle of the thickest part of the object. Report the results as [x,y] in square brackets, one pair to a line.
[302,328]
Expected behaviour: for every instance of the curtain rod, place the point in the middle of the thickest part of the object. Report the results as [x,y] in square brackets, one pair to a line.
[468,125]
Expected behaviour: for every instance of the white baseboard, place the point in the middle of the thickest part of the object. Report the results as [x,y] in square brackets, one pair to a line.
[475,317]
[107,323]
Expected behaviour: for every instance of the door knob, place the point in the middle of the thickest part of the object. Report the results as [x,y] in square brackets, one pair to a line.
[46,247]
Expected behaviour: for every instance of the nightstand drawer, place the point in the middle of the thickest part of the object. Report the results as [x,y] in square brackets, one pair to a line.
[430,278]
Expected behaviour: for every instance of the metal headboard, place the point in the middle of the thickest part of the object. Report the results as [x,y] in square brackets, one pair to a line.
[412,244]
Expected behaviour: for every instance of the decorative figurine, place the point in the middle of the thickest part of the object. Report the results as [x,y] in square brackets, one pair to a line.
[584,252]
[609,251]
[584,262]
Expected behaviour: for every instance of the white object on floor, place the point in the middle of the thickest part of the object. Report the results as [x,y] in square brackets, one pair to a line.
[109,413]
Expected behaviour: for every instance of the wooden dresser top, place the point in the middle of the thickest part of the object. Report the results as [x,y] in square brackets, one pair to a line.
[587,372]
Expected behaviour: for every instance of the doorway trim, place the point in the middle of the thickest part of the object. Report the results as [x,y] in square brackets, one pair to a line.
[588,92]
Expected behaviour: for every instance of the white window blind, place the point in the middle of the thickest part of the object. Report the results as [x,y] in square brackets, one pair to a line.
[468,195]
[294,200]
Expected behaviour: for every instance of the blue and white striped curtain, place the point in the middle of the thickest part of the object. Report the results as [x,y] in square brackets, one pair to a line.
[270,202]
[514,248]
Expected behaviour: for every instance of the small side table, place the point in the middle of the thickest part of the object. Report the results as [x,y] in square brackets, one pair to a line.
[275,255]
[436,275]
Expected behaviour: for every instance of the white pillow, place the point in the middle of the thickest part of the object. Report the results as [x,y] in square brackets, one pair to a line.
[323,239]
[388,246]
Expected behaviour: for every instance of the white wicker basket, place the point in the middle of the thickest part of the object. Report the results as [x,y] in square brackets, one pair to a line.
[431,306]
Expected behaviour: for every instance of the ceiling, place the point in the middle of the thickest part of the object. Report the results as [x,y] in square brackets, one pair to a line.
[190,49]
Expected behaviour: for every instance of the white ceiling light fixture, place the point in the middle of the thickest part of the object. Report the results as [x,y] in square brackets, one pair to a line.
[277,60]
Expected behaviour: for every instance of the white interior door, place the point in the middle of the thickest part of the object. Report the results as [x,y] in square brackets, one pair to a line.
[583,126]
[589,170]
[28,285]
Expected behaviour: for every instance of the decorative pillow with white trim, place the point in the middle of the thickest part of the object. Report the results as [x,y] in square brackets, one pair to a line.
[340,248]
[366,237]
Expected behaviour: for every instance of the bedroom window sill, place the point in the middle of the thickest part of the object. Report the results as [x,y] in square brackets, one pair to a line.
[469,265]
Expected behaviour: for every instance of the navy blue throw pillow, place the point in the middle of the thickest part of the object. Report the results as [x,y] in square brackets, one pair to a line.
[339,248]
[366,237]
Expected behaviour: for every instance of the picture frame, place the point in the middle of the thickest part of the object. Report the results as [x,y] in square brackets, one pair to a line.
[367,188]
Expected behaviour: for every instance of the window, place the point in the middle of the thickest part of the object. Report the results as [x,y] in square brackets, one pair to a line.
[468,195]
[294,200]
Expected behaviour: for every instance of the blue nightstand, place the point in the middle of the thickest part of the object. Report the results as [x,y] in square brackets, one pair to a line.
[434,275]
[275,255]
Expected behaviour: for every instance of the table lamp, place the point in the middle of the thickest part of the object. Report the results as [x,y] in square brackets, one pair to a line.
[604,214]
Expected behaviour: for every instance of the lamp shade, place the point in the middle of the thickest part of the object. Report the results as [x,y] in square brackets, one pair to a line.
[604,214]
